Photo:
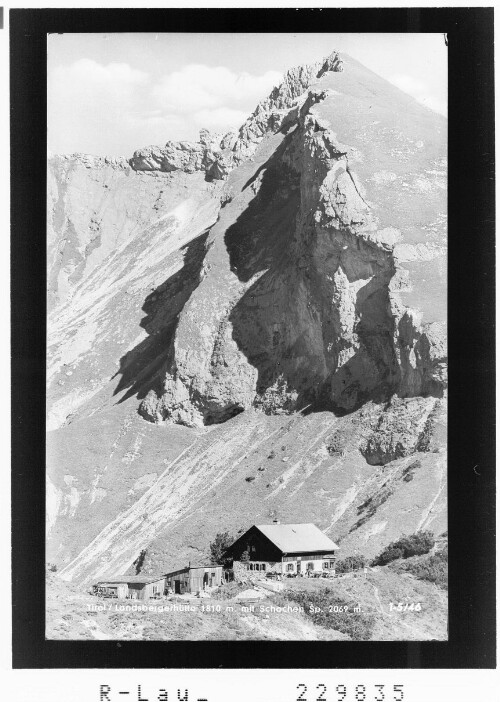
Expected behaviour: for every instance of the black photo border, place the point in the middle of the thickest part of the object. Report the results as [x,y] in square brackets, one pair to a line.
[471,467]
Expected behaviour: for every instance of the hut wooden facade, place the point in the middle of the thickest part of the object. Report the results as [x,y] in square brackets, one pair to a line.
[193,579]
[289,549]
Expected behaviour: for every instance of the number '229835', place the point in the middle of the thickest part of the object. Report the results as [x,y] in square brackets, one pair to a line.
[358,693]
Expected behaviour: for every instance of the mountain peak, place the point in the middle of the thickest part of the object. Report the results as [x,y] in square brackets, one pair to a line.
[333,62]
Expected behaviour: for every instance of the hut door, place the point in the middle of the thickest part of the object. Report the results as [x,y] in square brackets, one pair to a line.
[177,585]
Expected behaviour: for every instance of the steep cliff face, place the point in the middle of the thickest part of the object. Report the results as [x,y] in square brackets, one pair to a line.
[295,267]
[125,250]
[302,299]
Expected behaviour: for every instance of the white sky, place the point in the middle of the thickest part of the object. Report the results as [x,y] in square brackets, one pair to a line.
[110,94]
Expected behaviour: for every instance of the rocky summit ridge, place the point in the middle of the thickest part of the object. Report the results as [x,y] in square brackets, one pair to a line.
[295,267]
[217,154]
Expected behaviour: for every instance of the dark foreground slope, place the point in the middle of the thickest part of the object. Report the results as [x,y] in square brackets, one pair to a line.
[72,614]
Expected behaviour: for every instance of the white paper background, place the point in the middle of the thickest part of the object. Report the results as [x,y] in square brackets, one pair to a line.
[214,685]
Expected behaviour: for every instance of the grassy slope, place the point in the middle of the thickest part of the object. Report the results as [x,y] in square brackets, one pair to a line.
[290,469]
[98,467]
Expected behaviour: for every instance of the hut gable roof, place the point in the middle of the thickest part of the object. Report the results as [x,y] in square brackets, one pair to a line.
[186,569]
[132,579]
[294,538]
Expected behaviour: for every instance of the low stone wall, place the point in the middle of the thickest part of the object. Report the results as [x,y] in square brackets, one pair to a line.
[272,585]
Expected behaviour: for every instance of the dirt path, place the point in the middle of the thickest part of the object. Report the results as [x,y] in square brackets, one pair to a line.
[95,630]
[379,602]
[425,521]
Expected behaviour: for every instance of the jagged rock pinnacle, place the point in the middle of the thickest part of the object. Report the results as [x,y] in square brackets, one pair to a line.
[333,62]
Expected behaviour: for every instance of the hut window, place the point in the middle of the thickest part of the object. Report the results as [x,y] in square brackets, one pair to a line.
[289,566]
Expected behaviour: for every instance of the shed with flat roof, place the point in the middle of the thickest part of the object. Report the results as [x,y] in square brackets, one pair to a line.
[135,587]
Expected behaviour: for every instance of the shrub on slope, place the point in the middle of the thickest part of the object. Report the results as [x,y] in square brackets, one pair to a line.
[405,547]
[431,567]
[332,612]
[346,565]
